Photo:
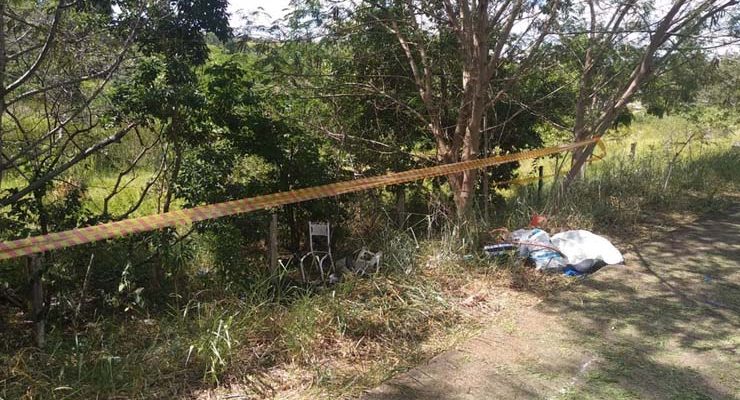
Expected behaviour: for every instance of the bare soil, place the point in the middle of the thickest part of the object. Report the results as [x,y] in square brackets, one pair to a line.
[666,325]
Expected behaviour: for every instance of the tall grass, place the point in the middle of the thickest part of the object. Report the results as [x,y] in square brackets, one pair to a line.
[621,192]
[354,334]
[219,336]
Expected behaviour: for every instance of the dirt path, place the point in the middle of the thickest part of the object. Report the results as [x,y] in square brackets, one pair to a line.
[664,326]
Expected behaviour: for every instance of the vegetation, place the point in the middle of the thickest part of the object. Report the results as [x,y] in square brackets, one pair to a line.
[113,110]
[337,340]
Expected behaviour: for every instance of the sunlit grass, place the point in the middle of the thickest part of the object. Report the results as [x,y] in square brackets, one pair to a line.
[653,137]
[335,341]
[100,186]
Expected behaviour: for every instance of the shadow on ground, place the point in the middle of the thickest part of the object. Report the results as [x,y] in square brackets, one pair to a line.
[664,326]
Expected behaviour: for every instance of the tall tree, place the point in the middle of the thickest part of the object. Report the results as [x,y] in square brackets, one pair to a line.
[652,35]
[492,43]
[57,62]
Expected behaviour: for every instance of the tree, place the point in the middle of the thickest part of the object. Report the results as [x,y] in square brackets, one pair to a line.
[723,88]
[249,151]
[659,36]
[57,62]
[677,86]
[475,50]
[56,59]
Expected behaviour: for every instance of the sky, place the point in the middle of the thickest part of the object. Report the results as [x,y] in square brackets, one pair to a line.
[270,10]
[272,7]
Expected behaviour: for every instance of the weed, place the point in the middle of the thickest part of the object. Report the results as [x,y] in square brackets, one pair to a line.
[341,339]
[620,192]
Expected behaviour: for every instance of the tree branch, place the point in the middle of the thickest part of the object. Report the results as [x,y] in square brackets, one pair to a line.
[44,51]
[115,138]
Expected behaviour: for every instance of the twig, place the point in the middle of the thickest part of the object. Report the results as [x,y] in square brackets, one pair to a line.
[84,289]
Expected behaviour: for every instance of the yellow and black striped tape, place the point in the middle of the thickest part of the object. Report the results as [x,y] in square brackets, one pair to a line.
[528,179]
[74,237]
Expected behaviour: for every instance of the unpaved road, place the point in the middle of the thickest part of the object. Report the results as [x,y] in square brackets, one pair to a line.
[664,326]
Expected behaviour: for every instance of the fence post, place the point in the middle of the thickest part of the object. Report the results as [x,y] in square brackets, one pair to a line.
[400,206]
[540,182]
[37,301]
[273,244]
[484,172]
[633,150]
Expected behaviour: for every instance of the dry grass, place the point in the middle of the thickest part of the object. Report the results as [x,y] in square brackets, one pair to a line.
[336,341]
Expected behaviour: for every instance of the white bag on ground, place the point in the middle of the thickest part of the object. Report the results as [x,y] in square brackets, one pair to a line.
[584,249]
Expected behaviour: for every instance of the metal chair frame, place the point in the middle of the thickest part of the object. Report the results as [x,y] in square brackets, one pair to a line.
[318,230]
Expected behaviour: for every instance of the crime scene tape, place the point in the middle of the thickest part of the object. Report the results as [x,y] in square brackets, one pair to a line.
[75,237]
[528,179]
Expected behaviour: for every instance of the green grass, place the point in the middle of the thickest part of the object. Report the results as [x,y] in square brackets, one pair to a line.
[98,186]
[196,346]
[619,191]
[656,138]
[339,340]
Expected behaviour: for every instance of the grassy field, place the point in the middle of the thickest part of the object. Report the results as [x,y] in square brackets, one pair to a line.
[295,341]
[654,137]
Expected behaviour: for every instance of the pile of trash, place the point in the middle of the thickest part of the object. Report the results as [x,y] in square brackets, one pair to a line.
[573,253]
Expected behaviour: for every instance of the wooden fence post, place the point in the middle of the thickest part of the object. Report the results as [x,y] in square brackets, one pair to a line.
[540,182]
[37,301]
[274,244]
[400,206]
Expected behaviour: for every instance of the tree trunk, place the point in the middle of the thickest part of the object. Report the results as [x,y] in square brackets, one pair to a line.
[295,229]
[173,176]
[463,190]
[642,71]
[157,272]
[38,306]
[577,169]
[2,81]
[580,131]
[463,185]
[273,245]
[485,175]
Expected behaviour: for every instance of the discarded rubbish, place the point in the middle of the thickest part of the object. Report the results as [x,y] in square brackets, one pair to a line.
[537,220]
[573,253]
[535,244]
[363,263]
[585,251]
[367,261]
[502,249]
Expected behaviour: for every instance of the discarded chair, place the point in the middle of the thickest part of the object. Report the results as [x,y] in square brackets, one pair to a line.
[366,261]
[319,239]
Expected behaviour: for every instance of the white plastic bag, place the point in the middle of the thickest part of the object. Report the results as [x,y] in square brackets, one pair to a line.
[584,249]
[535,244]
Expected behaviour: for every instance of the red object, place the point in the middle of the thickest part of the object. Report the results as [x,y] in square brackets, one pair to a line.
[537,220]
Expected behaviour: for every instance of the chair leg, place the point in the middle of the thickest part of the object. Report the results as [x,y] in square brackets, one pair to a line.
[303,269]
[320,261]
